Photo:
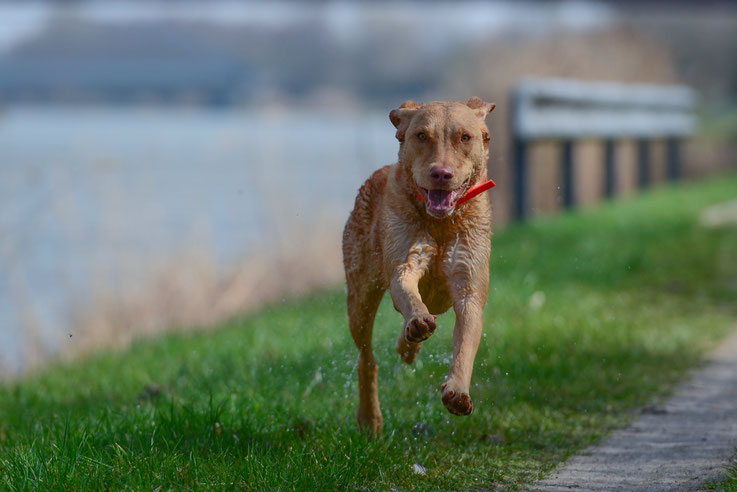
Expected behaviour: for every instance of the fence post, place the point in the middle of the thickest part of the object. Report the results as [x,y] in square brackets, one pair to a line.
[520,178]
[643,163]
[569,193]
[673,159]
[609,177]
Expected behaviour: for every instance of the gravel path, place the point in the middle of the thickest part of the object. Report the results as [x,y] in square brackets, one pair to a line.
[679,445]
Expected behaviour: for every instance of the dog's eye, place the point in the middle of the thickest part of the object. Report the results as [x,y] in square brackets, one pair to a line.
[465,138]
[422,136]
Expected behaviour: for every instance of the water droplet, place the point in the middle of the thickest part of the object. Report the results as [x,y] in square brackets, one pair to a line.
[537,300]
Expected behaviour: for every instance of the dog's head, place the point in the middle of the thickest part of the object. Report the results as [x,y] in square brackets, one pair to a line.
[443,148]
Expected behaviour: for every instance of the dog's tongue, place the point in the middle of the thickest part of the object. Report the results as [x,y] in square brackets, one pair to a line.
[440,202]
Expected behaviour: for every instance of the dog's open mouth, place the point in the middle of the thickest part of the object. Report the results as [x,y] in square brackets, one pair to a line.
[441,203]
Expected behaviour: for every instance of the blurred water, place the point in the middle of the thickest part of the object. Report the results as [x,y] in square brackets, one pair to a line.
[433,23]
[90,197]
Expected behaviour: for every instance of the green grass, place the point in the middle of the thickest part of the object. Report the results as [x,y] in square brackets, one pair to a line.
[729,483]
[634,292]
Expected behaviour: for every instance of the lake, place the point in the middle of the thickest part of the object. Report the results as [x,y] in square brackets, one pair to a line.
[92,198]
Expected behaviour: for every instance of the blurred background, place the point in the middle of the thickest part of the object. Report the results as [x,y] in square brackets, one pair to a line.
[165,164]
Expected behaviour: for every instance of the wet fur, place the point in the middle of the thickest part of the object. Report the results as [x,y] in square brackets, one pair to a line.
[429,264]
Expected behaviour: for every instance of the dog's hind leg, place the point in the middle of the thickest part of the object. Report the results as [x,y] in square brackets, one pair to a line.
[363,302]
[407,350]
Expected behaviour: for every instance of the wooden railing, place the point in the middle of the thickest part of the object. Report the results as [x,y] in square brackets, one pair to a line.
[569,110]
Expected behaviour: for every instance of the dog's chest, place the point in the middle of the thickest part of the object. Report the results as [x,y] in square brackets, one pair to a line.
[434,286]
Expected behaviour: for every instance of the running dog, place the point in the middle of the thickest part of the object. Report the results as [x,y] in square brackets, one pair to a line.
[416,231]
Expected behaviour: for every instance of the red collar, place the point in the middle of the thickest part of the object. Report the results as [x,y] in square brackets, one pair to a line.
[475,190]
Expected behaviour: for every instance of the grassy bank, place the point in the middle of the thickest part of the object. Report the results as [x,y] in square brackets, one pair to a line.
[590,316]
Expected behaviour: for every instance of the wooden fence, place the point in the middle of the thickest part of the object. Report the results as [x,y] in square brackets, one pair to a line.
[568,110]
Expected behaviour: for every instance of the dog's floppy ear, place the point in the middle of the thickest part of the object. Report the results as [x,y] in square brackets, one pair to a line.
[401,117]
[480,107]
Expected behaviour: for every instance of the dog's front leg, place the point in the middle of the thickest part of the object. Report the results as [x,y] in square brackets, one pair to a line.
[468,271]
[466,337]
[419,324]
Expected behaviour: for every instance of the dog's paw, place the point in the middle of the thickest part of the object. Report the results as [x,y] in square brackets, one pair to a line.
[419,328]
[370,422]
[457,403]
[407,350]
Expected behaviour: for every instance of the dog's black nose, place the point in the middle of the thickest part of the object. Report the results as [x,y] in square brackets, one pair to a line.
[441,175]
